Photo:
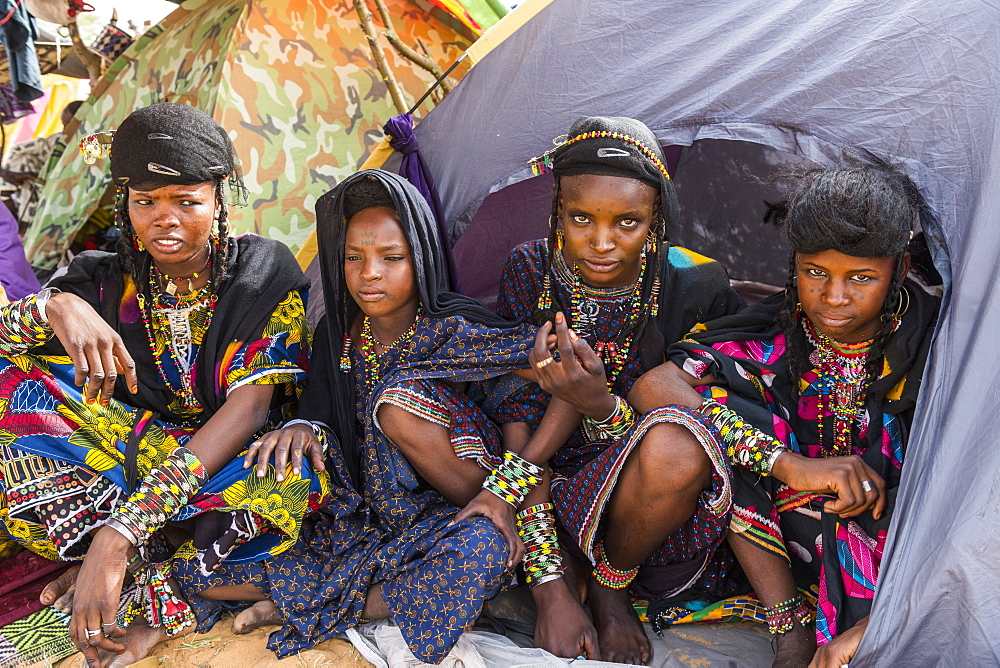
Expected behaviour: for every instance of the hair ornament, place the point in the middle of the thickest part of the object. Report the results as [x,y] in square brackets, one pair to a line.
[95,146]
[543,163]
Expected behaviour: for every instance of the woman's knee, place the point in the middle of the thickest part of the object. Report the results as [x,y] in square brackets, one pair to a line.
[669,452]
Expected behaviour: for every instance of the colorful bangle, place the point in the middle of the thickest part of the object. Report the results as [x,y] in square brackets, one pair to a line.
[616,426]
[160,495]
[513,479]
[745,444]
[781,618]
[23,324]
[609,576]
[542,558]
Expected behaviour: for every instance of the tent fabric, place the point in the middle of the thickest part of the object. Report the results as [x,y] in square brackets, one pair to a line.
[915,81]
[293,81]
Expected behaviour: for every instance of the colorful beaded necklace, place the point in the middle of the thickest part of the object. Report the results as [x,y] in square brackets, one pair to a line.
[841,383]
[369,349]
[583,308]
[174,319]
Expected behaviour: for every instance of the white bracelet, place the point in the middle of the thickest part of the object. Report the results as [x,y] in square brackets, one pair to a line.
[316,429]
[42,300]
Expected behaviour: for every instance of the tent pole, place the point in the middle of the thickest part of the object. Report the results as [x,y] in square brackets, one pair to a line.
[379,56]
[436,84]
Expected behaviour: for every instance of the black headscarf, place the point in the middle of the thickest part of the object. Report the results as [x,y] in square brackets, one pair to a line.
[172,144]
[329,396]
[618,146]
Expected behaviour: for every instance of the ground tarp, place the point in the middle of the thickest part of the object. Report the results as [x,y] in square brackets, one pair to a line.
[915,81]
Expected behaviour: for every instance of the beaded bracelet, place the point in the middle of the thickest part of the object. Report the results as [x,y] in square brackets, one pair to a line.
[781,618]
[23,323]
[161,494]
[609,576]
[745,444]
[616,426]
[513,479]
[542,559]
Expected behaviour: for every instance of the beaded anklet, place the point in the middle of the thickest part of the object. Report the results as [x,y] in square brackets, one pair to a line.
[161,494]
[513,479]
[542,559]
[745,444]
[616,426]
[23,323]
[609,576]
[781,618]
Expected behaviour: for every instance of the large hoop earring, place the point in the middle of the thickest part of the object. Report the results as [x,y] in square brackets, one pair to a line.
[900,309]
[650,241]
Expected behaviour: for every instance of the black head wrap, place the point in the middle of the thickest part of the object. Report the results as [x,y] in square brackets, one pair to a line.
[330,395]
[173,144]
[617,146]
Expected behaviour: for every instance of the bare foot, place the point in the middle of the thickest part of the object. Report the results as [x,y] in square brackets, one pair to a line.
[619,631]
[59,592]
[261,613]
[794,649]
[139,640]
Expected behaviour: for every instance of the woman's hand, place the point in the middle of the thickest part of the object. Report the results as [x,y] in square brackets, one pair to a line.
[289,444]
[578,377]
[95,602]
[842,476]
[841,649]
[562,627]
[97,351]
[492,507]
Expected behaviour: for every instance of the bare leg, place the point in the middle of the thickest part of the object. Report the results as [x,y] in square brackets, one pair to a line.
[771,579]
[262,613]
[375,607]
[427,446]
[139,640]
[661,479]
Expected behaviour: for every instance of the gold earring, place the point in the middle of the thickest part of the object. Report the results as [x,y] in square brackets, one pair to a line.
[560,239]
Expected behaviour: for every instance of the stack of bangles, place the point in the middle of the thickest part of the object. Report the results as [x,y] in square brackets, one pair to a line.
[159,496]
[24,323]
[745,444]
[542,559]
[513,479]
[619,424]
[781,618]
[609,576]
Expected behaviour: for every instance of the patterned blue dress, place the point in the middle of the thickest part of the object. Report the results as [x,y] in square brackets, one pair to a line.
[397,530]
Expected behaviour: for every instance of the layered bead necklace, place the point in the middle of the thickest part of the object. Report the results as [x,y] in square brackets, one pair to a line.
[585,309]
[173,317]
[841,384]
[369,349]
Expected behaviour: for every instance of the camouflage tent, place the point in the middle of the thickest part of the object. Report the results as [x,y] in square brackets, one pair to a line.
[292,80]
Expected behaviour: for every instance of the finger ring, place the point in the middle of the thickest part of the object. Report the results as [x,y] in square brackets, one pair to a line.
[108,624]
[545,362]
[91,633]
[867,485]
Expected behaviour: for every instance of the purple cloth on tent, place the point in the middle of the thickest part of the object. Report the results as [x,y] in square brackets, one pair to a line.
[16,275]
[414,169]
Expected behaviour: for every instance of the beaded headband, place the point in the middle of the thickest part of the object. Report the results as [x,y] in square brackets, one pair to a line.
[543,163]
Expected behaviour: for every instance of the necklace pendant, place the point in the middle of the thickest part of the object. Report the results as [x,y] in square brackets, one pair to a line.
[171,288]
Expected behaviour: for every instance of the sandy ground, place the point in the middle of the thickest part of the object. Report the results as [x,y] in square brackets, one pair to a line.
[219,648]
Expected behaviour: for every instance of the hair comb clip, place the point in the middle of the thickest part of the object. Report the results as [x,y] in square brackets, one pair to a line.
[96,145]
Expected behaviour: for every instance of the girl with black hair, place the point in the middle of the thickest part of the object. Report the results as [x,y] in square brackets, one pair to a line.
[186,343]
[392,356]
[813,391]
[645,502]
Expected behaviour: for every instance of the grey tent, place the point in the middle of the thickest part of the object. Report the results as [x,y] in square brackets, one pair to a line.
[913,80]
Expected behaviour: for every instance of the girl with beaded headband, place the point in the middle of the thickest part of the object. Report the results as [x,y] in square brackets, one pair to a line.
[393,354]
[180,367]
[610,293]
[812,391]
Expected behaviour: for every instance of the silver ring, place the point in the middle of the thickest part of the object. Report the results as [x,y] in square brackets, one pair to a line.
[867,485]
[91,633]
[545,362]
[108,624]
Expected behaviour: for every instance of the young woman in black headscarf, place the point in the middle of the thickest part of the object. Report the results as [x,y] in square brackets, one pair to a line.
[813,391]
[391,356]
[186,343]
[645,501]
